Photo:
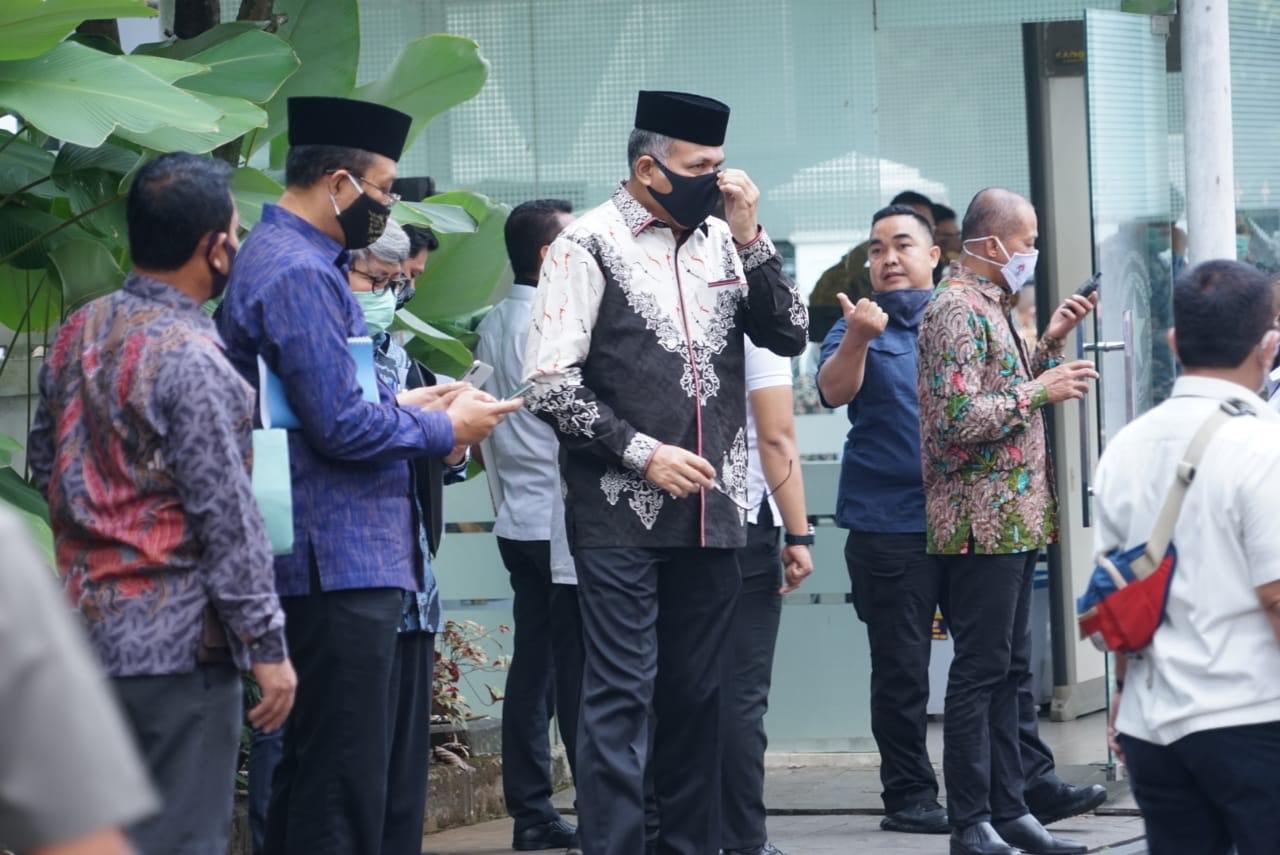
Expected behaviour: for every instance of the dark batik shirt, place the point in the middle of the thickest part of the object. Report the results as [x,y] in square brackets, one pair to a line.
[637,341]
[289,301]
[142,444]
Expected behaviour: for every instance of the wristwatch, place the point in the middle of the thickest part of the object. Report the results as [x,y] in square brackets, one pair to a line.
[805,539]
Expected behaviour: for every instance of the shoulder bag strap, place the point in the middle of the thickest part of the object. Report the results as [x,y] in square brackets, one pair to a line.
[1162,534]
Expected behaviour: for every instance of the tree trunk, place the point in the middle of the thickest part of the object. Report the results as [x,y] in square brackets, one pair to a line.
[193,17]
[107,28]
[256,10]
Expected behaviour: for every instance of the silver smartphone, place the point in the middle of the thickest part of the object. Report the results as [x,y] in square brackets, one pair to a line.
[478,374]
[520,391]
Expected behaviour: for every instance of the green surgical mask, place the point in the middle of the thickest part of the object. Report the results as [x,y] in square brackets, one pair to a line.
[379,309]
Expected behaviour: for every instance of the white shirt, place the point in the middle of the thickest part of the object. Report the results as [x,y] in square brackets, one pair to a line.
[765,370]
[1215,661]
[522,454]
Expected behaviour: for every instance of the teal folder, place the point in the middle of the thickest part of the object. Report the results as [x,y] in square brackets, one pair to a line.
[273,487]
[276,412]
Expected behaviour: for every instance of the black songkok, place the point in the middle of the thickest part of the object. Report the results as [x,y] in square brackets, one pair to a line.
[682,116]
[348,123]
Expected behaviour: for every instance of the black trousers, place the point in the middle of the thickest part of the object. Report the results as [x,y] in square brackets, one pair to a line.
[544,679]
[409,707]
[896,589]
[188,731]
[989,600]
[655,625]
[1209,791]
[329,793]
[749,674]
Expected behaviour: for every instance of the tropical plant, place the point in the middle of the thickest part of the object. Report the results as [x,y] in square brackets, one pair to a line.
[89,116]
[462,649]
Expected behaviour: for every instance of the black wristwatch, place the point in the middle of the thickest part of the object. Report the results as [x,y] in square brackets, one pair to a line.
[805,539]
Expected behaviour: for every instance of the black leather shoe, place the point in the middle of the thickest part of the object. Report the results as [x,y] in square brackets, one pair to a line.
[1031,837]
[980,839]
[922,818]
[767,849]
[549,835]
[1065,801]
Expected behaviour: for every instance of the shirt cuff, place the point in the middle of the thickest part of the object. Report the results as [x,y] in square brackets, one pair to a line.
[1034,394]
[271,648]
[437,428]
[639,452]
[757,252]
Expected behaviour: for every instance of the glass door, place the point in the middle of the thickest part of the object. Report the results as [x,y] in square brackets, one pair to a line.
[1127,92]
[1127,83]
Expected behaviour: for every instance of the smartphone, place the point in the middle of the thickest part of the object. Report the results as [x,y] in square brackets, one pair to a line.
[520,391]
[1090,286]
[478,374]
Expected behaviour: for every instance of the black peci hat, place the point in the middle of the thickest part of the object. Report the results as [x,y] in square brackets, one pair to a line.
[682,116]
[345,122]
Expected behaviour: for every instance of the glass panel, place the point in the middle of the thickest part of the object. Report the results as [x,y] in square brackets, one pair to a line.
[1255,80]
[1127,83]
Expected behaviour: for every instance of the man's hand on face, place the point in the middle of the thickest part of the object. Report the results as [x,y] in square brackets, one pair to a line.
[866,320]
[278,683]
[679,472]
[475,414]
[1073,310]
[1069,381]
[741,204]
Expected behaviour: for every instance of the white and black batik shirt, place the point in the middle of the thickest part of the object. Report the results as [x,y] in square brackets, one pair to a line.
[637,341]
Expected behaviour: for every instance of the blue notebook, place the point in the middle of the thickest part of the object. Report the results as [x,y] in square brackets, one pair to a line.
[276,412]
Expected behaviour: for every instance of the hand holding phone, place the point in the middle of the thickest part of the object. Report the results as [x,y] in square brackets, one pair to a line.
[520,391]
[1090,286]
[478,374]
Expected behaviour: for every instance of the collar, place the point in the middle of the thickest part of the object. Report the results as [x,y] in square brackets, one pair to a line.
[523,291]
[277,216]
[637,216]
[1218,390]
[961,275]
[163,293]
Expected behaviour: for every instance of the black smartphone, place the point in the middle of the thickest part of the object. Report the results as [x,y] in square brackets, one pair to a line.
[1090,286]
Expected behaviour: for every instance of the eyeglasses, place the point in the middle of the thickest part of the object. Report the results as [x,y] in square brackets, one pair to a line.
[397,284]
[392,198]
[719,487]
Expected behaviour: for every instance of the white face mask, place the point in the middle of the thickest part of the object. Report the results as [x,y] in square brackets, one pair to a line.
[1018,270]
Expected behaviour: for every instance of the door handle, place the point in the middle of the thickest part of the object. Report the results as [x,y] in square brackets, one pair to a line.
[1086,490]
[1103,346]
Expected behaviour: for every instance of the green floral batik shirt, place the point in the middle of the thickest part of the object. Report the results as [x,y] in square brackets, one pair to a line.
[987,479]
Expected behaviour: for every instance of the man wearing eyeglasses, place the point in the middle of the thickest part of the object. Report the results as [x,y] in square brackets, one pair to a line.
[356,548]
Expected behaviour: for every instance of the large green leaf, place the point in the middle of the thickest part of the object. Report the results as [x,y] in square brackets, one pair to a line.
[427,338]
[109,158]
[98,191]
[325,35]
[35,288]
[30,505]
[24,165]
[443,219]
[28,28]
[468,270]
[176,48]
[87,271]
[238,117]
[251,66]
[168,70]
[33,232]
[431,75]
[8,445]
[252,189]
[82,96]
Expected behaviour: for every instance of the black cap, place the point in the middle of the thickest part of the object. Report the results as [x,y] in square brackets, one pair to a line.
[315,120]
[682,116]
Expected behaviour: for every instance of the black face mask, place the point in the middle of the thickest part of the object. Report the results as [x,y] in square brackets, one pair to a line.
[220,279]
[692,198]
[363,221]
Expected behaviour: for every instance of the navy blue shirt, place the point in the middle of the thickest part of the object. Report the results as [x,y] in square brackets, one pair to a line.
[353,516]
[881,483]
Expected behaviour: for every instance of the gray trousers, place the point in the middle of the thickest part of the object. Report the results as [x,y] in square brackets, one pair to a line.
[188,731]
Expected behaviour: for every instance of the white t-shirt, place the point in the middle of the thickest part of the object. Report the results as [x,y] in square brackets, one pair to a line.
[1215,661]
[765,369]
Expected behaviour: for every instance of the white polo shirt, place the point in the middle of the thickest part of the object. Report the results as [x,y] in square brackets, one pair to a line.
[1215,661]
[765,370]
